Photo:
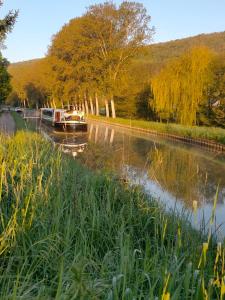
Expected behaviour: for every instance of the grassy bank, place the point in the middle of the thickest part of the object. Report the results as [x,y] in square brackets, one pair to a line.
[22,124]
[68,233]
[209,133]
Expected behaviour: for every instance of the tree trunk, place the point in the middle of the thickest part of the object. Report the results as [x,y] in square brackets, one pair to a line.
[91,104]
[96,105]
[83,107]
[107,108]
[86,105]
[113,109]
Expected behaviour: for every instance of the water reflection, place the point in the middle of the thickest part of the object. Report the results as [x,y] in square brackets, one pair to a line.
[69,143]
[185,175]
[177,174]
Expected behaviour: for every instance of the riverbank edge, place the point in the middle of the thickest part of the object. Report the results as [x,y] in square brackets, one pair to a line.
[190,135]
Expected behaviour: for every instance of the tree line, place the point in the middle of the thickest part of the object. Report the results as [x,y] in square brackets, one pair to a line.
[6,25]
[96,63]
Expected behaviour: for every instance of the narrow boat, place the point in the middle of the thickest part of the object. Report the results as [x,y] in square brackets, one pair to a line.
[66,120]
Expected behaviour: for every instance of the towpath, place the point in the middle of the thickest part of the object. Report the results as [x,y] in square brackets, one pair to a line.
[7,124]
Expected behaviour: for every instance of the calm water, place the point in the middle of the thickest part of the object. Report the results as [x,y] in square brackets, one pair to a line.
[176,174]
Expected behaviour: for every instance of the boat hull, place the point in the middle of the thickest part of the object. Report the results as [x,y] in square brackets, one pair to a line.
[68,127]
[75,127]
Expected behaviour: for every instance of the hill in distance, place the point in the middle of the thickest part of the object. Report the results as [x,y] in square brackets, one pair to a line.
[161,52]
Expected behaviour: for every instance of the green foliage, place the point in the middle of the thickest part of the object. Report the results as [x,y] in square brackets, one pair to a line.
[92,52]
[31,82]
[159,54]
[13,99]
[144,105]
[216,93]
[7,24]
[5,87]
[35,96]
[91,237]
[181,86]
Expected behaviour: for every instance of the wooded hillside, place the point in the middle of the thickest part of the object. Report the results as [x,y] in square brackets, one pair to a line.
[159,52]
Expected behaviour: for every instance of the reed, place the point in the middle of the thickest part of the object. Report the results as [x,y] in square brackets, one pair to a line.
[69,233]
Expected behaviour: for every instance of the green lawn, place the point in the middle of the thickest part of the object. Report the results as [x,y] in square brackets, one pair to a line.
[210,133]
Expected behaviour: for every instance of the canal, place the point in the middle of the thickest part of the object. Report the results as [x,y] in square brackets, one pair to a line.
[182,177]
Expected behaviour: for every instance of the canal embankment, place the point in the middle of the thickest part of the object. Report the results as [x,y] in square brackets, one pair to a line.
[70,233]
[209,137]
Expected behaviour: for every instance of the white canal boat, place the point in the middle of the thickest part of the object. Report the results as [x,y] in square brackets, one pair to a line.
[66,120]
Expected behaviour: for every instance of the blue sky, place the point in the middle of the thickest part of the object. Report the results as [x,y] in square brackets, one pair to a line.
[39,20]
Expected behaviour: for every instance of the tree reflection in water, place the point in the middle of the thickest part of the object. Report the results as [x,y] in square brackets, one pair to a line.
[187,177]
[187,173]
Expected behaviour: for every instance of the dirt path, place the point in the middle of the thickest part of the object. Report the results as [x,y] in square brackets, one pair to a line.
[7,124]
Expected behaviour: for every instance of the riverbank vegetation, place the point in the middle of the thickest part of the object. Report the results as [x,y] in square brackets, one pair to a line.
[102,62]
[69,233]
[208,133]
[22,124]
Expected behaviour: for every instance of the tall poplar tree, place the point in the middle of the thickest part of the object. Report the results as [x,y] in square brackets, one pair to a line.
[95,50]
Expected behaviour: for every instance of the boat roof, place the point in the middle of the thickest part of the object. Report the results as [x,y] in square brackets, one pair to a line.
[69,111]
[51,109]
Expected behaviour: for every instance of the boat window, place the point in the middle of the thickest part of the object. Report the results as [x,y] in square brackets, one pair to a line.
[48,113]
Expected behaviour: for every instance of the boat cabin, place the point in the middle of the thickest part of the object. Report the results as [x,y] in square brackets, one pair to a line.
[64,119]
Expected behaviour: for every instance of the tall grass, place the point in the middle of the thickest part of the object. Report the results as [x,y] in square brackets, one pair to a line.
[211,133]
[68,233]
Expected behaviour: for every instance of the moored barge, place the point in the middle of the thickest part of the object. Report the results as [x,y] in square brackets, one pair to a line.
[65,120]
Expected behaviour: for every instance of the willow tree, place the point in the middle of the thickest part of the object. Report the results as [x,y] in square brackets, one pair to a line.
[182,84]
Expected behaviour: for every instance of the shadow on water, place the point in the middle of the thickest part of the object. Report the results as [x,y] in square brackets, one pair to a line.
[179,175]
